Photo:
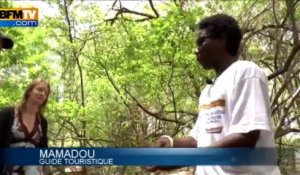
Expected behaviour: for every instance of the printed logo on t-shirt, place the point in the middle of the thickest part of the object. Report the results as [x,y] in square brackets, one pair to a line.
[213,114]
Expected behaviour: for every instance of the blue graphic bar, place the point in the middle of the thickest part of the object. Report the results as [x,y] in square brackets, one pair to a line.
[19,23]
[138,156]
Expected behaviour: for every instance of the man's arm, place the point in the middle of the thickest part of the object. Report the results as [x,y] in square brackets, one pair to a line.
[234,140]
[249,113]
[238,140]
[187,142]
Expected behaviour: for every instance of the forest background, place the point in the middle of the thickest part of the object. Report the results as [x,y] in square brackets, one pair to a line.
[123,72]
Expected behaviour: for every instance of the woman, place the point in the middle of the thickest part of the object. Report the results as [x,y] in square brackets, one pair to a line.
[25,125]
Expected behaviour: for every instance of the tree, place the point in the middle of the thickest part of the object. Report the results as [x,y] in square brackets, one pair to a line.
[123,81]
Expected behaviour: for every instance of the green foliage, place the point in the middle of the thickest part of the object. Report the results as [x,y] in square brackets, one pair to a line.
[122,84]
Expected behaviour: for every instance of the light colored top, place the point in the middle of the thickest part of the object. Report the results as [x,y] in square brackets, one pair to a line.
[21,137]
[237,102]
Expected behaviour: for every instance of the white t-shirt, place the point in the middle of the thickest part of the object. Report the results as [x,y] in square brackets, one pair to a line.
[237,102]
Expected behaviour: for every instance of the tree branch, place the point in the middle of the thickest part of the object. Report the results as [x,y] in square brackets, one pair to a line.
[293,98]
[286,131]
[114,4]
[286,64]
[248,15]
[82,138]
[265,27]
[291,10]
[279,92]
[183,112]
[126,10]
[123,10]
[296,47]
[152,7]
[274,12]
[153,114]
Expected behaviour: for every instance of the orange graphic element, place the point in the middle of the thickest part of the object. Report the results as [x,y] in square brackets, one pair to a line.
[214,130]
[213,104]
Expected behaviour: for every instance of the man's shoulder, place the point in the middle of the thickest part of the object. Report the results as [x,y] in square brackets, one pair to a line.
[6,114]
[6,109]
[248,69]
[44,120]
[246,65]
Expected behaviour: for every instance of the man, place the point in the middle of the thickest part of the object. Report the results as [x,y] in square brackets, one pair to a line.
[5,42]
[234,108]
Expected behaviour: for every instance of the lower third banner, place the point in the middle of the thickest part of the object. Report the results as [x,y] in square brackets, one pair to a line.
[138,156]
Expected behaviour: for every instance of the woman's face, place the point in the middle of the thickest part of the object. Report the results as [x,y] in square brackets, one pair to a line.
[39,93]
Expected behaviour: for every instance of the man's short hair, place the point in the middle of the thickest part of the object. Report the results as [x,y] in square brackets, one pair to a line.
[222,25]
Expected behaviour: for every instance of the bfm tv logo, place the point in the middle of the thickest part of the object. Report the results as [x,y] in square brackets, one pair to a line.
[19,17]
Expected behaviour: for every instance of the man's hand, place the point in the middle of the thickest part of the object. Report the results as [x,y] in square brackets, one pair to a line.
[164,142]
[161,142]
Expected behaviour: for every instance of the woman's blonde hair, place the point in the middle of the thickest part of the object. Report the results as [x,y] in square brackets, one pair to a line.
[29,88]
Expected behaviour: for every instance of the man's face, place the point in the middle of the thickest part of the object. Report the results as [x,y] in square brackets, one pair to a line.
[209,50]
